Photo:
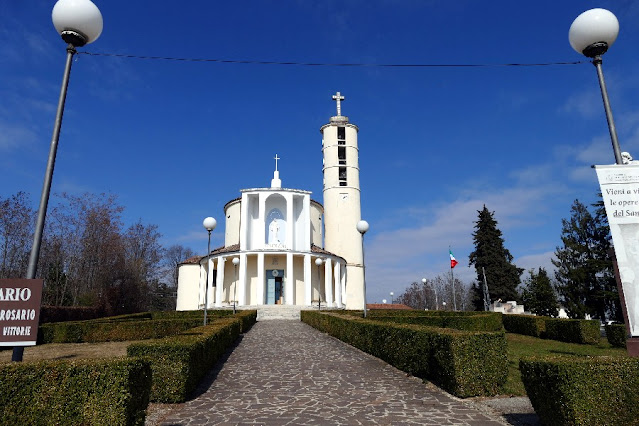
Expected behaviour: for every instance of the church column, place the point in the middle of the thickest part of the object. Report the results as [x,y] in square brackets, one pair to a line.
[290,221]
[289,285]
[307,280]
[241,283]
[245,244]
[261,222]
[260,279]
[342,279]
[328,282]
[220,282]
[338,285]
[307,219]
[209,285]
[202,288]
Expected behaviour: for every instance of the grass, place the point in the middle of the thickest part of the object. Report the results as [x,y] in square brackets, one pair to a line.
[70,351]
[523,346]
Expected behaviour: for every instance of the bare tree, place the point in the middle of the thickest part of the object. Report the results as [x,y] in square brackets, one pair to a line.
[173,256]
[436,294]
[16,225]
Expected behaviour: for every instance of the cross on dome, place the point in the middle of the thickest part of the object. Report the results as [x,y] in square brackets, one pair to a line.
[338,98]
[276,182]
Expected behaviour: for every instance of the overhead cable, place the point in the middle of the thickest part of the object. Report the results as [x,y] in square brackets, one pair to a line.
[327,64]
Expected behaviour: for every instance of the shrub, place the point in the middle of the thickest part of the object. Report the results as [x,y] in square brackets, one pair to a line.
[479,322]
[617,335]
[573,330]
[140,326]
[463,363]
[96,392]
[583,391]
[180,362]
[525,324]
[105,331]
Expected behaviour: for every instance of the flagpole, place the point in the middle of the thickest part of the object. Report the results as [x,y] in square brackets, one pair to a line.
[452,281]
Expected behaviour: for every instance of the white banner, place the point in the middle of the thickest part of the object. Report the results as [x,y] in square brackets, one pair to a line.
[620,189]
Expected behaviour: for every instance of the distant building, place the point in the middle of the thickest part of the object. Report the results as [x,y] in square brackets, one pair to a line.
[278,235]
[510,307]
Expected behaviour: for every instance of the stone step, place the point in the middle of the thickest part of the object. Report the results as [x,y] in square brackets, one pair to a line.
[280,312]
[265,313]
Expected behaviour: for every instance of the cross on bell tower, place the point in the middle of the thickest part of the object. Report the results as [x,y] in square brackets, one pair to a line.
[338,98]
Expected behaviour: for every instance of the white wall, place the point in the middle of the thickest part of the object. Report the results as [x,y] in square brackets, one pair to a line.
[188,287]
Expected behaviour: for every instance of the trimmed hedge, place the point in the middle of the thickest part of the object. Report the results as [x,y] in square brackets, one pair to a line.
[573,330]
[111,331]
[525,324]
[463,363]
[583,391]
[617,335]
[95,392]
[479,322]
[139,326]
[180,362]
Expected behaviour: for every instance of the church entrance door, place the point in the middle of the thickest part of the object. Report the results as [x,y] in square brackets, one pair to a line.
[274,287]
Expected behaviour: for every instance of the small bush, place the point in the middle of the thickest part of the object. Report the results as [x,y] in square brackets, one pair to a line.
[463,363]
[95,392]
[583,391]
[525,324]
[573,330]
[617,335]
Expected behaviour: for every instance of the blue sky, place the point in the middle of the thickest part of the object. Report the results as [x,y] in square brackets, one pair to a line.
[177,140]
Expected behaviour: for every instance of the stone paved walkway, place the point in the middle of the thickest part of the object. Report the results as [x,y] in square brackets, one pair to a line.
[287,373]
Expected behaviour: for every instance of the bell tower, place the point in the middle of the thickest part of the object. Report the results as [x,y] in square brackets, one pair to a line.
[342,209]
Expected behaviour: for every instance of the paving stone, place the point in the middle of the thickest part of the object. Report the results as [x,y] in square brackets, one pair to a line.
[285,372]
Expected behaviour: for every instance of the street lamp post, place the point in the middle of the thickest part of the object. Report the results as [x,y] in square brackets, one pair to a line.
[424,281]
[391,295]
[591,34]
[362,228]
[209,224]
[78,22]
[319,262]
[236,261]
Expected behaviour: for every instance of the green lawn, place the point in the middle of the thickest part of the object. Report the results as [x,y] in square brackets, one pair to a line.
[522,346]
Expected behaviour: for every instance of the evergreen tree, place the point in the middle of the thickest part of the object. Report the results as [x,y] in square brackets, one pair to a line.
[610,290]
[584,269]
[539,296]
[502,275]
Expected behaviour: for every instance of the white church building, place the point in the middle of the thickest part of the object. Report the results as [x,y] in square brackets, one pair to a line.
[282,247]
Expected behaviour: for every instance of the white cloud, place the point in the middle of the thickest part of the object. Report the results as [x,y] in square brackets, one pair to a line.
[13,136]
[397,257]
[598,151]
[586,103]
[535,261]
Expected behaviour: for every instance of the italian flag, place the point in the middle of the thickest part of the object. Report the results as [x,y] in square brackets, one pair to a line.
[453,262]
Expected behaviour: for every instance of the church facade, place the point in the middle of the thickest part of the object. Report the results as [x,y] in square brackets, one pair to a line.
[283,248]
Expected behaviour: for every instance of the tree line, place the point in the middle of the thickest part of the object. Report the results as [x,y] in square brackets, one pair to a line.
[88,257]
[583,282]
